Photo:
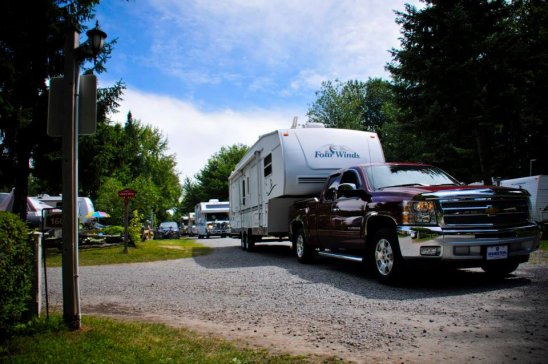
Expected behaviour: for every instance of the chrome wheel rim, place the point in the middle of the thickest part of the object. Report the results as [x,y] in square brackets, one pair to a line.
[384,257]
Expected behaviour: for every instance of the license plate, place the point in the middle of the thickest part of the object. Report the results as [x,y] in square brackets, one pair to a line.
[497,252]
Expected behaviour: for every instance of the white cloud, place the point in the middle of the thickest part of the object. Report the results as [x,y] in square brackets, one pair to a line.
[195,135]
[342,39]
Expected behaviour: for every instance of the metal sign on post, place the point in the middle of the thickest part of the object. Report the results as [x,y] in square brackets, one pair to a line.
[127,194]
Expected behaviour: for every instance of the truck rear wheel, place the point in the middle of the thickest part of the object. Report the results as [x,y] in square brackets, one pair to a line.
[385,256]
[303,251]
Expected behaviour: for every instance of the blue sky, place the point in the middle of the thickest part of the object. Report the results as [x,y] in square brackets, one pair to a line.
[209,74]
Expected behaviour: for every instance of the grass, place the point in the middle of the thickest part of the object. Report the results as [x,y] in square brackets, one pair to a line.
[148,251]
[105,340]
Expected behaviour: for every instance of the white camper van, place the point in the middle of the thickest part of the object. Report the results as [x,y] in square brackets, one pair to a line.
[288,165]
[212,218]
[537,186]
[85,206]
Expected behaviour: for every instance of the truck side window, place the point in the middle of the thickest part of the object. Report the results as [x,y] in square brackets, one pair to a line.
[332,185]
[267,165]
[351,177]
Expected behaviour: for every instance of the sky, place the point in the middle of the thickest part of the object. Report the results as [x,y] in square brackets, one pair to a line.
[209,74]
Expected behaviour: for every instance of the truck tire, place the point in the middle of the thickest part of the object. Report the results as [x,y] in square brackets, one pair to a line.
[500,269]
[303,251]
[385,256]
[243,244]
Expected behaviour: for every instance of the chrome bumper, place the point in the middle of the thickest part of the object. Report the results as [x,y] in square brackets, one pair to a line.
[465,245]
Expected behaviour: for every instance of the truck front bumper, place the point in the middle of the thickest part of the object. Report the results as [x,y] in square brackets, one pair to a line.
[467,247]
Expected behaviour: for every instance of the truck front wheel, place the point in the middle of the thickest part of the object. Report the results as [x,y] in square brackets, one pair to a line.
[385,256]
[501,268]
[304,252]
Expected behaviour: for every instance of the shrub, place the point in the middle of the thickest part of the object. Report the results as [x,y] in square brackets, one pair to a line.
[16,255]
[113,230]
[135,226]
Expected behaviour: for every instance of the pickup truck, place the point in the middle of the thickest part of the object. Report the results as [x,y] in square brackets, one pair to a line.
[391,215]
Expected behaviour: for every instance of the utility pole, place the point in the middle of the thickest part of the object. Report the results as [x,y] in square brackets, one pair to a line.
[72,111]
[71,291]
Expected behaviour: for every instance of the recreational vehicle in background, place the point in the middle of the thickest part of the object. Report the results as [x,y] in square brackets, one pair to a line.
[85,206]
[212,219]
[537,186]
[288,165]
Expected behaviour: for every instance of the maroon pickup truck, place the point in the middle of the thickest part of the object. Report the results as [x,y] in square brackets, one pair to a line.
[390,215]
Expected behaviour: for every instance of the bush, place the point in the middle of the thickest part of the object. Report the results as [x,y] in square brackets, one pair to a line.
[16,255]
[135,226]
[113,230]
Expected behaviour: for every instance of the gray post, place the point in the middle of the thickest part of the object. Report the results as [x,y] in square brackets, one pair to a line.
[71,293]
[36,302]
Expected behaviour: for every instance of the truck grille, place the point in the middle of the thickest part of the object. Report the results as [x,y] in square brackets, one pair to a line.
[485,211]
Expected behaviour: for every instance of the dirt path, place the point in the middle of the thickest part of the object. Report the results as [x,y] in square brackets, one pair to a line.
[330,308]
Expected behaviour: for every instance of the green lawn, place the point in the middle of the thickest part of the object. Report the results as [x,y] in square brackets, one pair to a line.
[104,340]
[148,251]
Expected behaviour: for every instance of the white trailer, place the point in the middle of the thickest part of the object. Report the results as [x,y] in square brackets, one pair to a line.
[537,186]
[288,165]
[212,218]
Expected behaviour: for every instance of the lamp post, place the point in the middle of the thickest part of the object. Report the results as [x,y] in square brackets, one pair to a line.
[74,55]
[531,166]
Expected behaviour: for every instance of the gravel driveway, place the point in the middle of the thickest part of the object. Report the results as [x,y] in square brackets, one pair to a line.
[331,307]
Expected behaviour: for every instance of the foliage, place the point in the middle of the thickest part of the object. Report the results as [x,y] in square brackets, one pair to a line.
[134,228]
[212,181]
[149,251]
[114,341]
[16,259]
[353,105]
[469,78]
[31,52]
[134,156]
[113,230]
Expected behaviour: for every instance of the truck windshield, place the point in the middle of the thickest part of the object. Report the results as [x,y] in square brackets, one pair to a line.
[407,175]
[217,216]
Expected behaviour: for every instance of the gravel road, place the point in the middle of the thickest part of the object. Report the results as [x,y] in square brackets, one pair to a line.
[329,308]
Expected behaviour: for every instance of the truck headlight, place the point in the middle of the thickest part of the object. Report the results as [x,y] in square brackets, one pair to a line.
[419,213]
[209,227]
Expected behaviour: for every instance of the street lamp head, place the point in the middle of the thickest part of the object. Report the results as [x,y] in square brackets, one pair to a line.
[96,38]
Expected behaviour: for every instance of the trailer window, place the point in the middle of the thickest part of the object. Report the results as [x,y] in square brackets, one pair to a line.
[267,165]
[243,192]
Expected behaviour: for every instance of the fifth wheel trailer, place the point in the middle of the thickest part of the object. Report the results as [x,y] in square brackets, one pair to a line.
[537,186]
[288,165]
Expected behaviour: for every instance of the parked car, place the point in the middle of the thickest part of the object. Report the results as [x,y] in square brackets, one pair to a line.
[168,230]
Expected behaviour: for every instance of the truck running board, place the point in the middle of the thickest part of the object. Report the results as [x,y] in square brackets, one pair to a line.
[354,258]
